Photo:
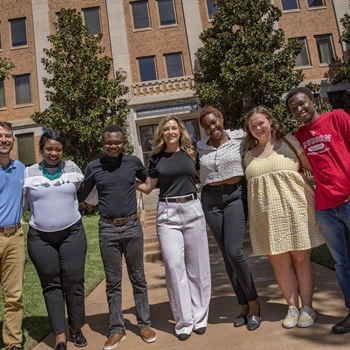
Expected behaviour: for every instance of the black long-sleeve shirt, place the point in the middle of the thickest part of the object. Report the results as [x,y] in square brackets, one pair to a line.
[115,183]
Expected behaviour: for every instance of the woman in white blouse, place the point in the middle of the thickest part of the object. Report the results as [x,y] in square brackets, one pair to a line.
[225,207]
[56,237]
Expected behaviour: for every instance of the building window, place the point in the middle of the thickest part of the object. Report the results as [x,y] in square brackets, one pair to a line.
[290,5]
[174,65]
[22,89]
[166,12]
[2,94]
[140,14]
[303,58]
[316,3]
[26,153]
[212,9]
[92,20]
[325,48]
[147,67]
[18,32]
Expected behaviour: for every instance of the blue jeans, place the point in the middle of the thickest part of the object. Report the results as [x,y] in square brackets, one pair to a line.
[114,242]
[335,225]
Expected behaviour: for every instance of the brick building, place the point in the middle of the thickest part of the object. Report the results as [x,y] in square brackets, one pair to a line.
[153,43]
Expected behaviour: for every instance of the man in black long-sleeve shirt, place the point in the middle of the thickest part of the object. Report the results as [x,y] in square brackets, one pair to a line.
[120,231]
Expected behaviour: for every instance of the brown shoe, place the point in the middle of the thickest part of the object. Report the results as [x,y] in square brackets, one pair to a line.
[148,335]
[113,340]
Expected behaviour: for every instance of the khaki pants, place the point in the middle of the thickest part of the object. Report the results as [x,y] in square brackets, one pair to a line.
[12,273]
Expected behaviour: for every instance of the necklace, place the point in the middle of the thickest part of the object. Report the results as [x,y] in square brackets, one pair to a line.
[49,176]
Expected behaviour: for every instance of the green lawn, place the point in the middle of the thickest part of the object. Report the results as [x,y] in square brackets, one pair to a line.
[36,324]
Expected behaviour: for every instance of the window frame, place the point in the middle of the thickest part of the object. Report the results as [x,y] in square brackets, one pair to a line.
[210,9]
[292,9]
[173,54]
[160,14]
[331,46]
[99,24]
[22,43]
[143,59]
[306,51]
[132,3]
[315,7]
[26,102]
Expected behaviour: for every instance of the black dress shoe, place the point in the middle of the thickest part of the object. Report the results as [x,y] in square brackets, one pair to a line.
[183,336]
[78,338]
[61,346]
[343,326]
[200,330]
[240,320]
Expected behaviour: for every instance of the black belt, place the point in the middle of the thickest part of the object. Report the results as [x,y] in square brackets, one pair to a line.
[189,197]
[10,229]
[120,221]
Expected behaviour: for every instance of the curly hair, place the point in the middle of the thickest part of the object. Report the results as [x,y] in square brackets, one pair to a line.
[298,90]
[209,110]
[276,131]
[185,139]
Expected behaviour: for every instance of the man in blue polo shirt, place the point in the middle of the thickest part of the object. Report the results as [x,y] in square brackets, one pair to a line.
[11,240]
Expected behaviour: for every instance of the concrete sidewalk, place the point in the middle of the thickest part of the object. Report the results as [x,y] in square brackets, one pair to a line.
[220,333]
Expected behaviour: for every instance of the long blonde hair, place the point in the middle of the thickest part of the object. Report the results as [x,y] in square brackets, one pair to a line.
[276,131]
[184,141]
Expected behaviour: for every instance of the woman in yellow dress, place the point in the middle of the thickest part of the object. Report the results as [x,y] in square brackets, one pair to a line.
[282,218]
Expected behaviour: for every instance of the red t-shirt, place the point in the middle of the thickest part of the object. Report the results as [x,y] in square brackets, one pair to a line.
[326,144]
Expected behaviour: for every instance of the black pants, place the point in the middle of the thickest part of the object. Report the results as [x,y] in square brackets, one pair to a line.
[59,259]
[225,211]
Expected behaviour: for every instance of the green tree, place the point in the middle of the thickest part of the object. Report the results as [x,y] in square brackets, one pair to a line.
[246,61]
[342,73]
[83,98]
[5,67]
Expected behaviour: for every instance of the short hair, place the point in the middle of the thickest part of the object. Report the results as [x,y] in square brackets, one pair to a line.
[209,110]
[113,128]
[55,135]
[6,125]
[298,90]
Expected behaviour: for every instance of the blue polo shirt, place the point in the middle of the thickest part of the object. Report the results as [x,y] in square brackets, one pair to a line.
[11,184]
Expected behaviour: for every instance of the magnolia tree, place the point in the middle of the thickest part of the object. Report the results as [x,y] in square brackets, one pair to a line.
[246,61]
[83,97]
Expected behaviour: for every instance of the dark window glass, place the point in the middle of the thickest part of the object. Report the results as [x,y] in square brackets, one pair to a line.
[315,3]
[22,89]
[290,5]
[18,32]
[92,20]
[303,57]
[140,14]
[166,12]
[26,152]
[212,8]
[2,94]
[147,68]
[174,65]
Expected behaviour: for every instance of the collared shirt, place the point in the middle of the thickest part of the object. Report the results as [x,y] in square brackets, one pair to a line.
[218,164]
[11,183]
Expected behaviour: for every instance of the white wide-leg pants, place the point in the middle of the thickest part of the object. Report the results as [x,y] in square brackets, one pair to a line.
[182,234]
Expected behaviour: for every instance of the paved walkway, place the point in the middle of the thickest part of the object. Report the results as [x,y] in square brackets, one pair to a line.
[223,308]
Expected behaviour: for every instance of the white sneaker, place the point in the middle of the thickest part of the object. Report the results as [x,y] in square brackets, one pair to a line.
[291,320]
[307,317]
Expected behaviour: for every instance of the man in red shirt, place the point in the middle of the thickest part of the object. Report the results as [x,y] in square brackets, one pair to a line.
[325,138]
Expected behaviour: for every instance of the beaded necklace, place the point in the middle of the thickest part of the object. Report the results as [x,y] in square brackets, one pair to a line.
[49,176]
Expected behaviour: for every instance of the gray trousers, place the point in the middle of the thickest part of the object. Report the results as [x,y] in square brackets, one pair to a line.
[183,240]
[114,242]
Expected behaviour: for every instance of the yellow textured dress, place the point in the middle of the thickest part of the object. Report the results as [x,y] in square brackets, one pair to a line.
[281,203]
